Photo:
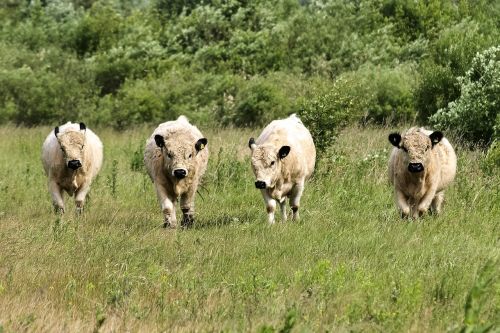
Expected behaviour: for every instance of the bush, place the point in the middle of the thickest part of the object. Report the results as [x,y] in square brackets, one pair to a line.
[474,113]
[98,29]
[155,99]
[258,102]
[383,95]
[451,55]
[261,99]
[437,87]
[327,113]
[43,87]
[491,163]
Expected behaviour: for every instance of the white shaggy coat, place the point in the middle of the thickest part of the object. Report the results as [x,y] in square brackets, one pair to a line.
[283,158]
[87,148]
[417,192]
[182,149]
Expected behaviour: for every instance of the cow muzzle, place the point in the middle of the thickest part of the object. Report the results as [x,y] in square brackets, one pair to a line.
[180,173]
[415,167]
[74,164]
[260,184]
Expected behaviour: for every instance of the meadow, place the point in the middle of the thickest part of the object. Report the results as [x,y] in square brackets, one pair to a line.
[349,265]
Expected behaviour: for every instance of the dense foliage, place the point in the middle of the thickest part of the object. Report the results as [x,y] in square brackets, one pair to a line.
[240,62]
[475,112]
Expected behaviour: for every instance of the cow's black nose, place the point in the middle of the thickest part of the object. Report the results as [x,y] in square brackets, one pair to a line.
[260,184]
[74,164]
[415,167]
[180,173]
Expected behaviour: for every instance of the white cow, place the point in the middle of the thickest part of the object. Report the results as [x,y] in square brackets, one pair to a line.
[176,158]
[283,157]
[71,157]
[422,164]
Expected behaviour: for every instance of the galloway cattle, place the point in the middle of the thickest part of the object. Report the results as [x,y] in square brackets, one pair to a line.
[176,158]
[422,164]
[71,157]
[283,157]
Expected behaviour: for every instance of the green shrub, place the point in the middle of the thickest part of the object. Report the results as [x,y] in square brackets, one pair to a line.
[169,8]
[258,102]
[383,94]
[491,162]
[474,113]
[137,54]
[451,55]
[327,113]
[437,87]
[99,29]
[156,99]
[261,99]
[43,87]
[139,102]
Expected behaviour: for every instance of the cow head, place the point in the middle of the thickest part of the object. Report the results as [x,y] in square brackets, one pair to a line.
[416,146]
[266,163]
[180,151]
[72,143]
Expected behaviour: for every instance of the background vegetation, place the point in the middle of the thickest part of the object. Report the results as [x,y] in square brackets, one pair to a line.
[351,264]
[238,62]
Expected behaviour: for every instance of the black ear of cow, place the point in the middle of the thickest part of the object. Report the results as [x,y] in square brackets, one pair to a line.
[200,144]
[160,140]
[395,139]
[284,151]
[436,137]
[56,131]
[82,127]
[251,142]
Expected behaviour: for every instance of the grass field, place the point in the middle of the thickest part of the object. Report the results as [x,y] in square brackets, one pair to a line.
[350,264]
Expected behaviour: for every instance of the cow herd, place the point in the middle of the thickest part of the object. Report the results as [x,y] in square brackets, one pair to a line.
[421,166]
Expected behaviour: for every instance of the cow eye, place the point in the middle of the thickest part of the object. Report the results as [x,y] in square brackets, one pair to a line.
[272,163]
[169,155]
[190,155]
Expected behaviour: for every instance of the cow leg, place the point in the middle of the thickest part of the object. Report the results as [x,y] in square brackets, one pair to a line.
[295,196]
[437,202]
[283,209]
[187,207]
[425,202]
[167,203]
[80,196]
[56,194]
[402,203]
[270,206]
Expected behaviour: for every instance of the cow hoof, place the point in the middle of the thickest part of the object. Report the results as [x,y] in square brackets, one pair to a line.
[422,212]
[187,221]
[169,225]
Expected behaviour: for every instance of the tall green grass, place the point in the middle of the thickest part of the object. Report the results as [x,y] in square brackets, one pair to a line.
[349,264]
